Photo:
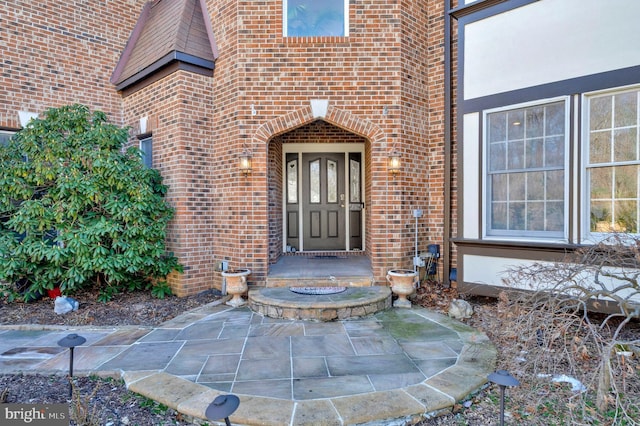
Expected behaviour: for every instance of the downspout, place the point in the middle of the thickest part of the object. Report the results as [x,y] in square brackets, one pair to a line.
[446,260]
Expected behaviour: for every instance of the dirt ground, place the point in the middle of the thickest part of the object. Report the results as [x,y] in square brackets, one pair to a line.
[137,308]
[535,403]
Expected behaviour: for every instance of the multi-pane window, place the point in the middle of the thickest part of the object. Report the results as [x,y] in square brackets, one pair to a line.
[612,161]
[309,18]
[146,146]
[525,171]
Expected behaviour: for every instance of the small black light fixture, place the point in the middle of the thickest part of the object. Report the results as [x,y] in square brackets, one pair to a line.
[245,163]
[71,341]
[503,379]
[394,162]
[222,407]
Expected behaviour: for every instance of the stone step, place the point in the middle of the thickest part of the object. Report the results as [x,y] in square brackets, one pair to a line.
[354,302]
[354,281]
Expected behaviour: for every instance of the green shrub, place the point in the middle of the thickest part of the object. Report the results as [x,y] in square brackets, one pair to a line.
[76,209]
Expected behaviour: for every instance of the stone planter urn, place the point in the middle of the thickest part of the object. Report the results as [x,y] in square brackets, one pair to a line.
[236,285]
[403,283]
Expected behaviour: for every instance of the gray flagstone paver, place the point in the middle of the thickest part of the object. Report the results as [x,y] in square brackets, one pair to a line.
[150,356]
[392,365]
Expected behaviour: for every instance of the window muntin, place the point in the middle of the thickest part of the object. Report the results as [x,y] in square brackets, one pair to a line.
[525,171]
[612,162]
[311,18]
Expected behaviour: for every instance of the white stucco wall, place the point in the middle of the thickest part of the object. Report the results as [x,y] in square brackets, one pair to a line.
[492,270]
[489,270]
[471,163]
[548,41]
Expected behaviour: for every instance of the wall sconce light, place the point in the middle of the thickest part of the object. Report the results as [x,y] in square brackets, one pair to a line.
[394,163]
[245,163]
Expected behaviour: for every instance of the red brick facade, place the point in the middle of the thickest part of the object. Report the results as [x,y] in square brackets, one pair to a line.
[384,85]
[56,53]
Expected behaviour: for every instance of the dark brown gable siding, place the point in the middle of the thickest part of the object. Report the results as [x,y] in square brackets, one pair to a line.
[192,35]
[157,37]
[166,30]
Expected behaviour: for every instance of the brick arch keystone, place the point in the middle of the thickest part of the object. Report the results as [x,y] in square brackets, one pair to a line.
[338,117]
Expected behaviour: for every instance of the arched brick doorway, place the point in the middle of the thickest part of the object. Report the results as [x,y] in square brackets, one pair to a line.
[330,131]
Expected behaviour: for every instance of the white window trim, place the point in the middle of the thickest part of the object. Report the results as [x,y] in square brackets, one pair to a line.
[585,222]
[8,132]
[140,142]
[285,18]
[484,202]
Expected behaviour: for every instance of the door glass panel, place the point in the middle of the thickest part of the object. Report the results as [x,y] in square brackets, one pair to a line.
[332,181]
[292,181]
[354,181]
[314,181]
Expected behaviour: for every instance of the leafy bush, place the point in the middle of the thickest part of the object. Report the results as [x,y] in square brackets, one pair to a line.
[76,209]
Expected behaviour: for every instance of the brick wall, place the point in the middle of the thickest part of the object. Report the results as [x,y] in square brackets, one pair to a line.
[383,83]
[179,110]
[388,73]
[61,52]
[364,75]
[454,137]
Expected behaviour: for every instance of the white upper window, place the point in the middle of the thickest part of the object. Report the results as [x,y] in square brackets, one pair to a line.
[525,171]
[612,162]
[311,18]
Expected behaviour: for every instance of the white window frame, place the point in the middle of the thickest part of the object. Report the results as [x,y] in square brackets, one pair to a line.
[585,205]
[10,133]
[147,157]
[513,235]
[285,20]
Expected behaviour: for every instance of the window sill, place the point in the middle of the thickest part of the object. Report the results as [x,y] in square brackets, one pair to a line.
[316,40]
[558,246]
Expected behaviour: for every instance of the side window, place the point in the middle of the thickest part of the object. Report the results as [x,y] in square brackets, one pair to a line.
[525,163]
[311,18]
[5,136]
[612,162]
[146,146]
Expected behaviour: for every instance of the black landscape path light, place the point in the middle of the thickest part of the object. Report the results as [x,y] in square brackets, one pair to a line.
[503,379]
[71,341]
[222,407]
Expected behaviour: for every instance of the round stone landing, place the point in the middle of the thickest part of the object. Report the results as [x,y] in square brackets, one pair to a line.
[354,302]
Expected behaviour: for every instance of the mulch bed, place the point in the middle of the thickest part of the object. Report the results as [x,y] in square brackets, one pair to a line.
[135,308]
